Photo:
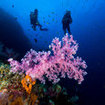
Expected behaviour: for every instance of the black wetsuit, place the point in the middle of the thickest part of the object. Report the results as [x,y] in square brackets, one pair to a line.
[66,21]
[34,21]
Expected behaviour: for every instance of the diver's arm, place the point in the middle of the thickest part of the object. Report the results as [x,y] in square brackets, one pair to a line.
[70,19]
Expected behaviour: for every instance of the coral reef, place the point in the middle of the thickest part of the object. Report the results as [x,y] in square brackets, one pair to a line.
[28,81]
[52,65]
[20,81]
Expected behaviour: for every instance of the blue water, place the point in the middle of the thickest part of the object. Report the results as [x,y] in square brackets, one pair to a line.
[88,28]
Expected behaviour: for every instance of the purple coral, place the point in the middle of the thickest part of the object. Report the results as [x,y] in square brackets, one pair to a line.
[59,64]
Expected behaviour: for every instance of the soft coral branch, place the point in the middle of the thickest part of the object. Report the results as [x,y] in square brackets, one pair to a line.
[53,66]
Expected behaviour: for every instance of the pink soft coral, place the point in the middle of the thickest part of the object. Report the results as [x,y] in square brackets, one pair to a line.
[53,65]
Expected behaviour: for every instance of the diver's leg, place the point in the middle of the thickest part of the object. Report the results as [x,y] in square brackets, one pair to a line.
[64,29]
[42,29]
[68,28]
[34,27]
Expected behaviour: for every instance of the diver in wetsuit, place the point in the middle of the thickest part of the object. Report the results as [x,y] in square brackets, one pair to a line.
[66,21]
[35,22]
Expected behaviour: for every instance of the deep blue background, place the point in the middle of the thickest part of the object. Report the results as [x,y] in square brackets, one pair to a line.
[88,28]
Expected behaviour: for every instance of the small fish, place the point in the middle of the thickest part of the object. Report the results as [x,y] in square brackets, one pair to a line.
[49,16]
[53,19]
[47,23]
[45,41]
[56,21]
[28,29]
[15,18]
[41,37]
[57,32]
[35,40]
[52,12]
[43,21]
[12,6]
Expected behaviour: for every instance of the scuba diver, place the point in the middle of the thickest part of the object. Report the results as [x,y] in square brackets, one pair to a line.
[35,22]
[66,21]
